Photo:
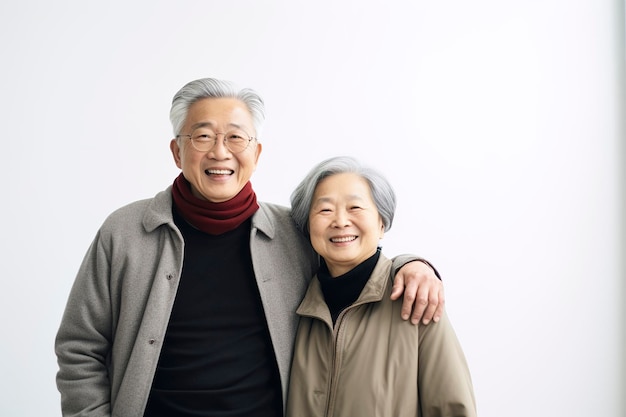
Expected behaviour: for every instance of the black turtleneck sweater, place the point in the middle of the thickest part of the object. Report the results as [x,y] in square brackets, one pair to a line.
[217,358]
[340,292]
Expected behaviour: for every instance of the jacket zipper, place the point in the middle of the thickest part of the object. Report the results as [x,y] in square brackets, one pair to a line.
[338,336]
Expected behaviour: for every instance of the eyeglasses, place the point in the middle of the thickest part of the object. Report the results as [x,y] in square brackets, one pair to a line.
[204,140]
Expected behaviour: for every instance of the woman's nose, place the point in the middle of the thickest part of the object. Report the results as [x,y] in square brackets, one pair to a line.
[341,219]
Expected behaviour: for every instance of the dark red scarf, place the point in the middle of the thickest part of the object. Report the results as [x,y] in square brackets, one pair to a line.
[213,218]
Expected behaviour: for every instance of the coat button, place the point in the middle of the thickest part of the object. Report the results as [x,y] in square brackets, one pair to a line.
[152,341]
[169,277]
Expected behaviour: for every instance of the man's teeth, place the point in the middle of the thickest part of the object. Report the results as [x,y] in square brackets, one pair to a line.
[219,171]
[343,239]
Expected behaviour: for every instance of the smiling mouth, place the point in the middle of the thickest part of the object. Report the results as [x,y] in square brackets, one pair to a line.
[343,239]
[219,171]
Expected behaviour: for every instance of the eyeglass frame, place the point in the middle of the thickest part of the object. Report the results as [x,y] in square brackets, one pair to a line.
[250,139]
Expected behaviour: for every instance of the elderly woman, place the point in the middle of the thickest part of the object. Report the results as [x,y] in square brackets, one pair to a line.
[354,356]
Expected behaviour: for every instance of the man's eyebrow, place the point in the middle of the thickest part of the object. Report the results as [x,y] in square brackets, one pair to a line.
[212,125]
[202,124]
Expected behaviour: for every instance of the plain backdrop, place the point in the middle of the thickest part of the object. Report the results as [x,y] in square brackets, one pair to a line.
[500,124]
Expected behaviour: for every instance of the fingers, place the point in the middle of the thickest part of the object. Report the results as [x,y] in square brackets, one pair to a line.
[423,293]
[420,307]
[397,290]
[433,302]
[441,306]
[409,303]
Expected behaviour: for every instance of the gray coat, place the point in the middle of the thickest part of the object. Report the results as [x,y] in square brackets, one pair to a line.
[113,327]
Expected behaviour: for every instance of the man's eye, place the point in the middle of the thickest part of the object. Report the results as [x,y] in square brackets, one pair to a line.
[237,140]
[203,136]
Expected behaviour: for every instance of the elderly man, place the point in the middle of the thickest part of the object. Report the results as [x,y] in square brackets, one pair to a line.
[185,303]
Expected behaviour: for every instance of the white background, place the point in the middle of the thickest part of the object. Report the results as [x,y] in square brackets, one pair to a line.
[498,122]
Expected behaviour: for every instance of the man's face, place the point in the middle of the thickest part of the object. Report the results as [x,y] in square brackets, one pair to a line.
[216,175]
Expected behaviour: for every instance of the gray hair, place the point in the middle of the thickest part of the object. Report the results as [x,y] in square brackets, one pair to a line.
[302,197]
[213,88]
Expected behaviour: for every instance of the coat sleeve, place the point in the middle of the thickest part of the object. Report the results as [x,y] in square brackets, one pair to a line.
[83,341]
[401,260]
[444,380]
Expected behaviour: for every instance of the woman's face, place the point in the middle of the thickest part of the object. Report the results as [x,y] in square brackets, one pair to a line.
[216,175]
[344,222]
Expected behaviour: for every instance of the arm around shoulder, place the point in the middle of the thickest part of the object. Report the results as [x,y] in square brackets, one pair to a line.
[400,260]
[422,290]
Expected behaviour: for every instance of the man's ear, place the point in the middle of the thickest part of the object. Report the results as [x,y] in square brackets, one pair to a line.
[258,150]
[176,152]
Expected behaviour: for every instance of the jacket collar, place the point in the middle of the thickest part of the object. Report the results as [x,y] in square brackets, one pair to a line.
[263,222]
[159,211]
[379,283]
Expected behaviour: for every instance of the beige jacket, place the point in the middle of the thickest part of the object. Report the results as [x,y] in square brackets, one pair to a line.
[372,363]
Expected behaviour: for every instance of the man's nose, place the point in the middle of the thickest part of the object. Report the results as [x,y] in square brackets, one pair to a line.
[219,147]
